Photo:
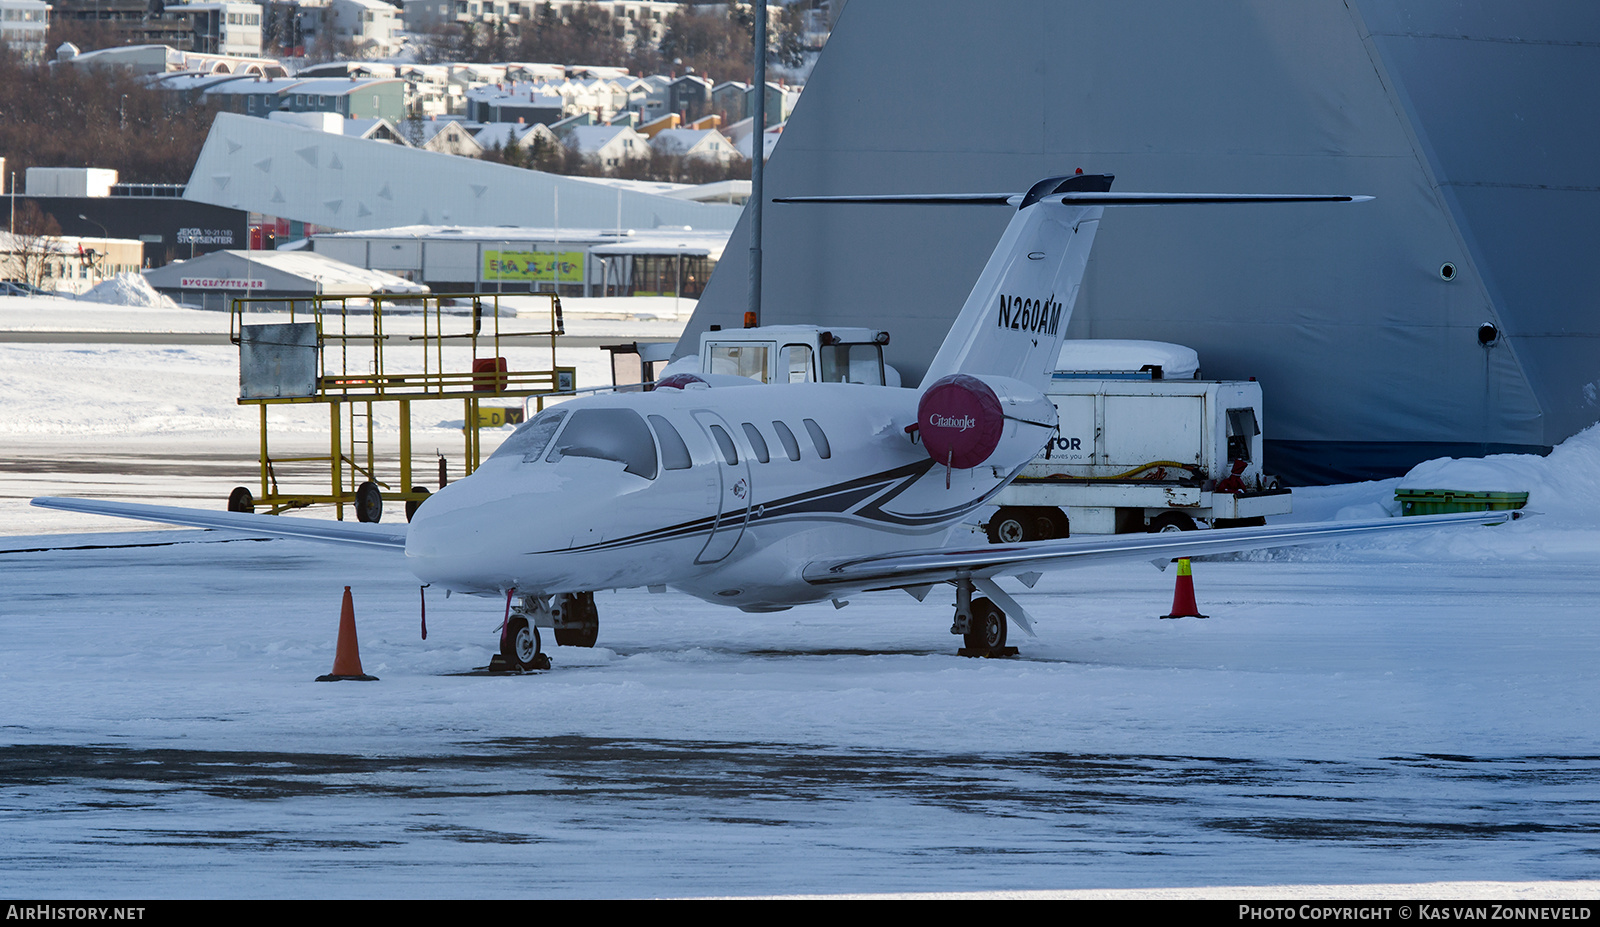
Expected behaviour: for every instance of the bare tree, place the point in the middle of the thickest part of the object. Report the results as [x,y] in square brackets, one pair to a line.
[35,242]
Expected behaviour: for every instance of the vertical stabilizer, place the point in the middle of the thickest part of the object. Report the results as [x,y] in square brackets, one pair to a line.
[1016,316]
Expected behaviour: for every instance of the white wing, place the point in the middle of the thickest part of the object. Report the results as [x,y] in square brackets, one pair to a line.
[278,526]
[918,567]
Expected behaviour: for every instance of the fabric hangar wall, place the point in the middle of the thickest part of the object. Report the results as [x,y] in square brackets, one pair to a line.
[1361,321]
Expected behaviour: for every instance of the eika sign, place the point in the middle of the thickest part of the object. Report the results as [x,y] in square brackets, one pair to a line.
[1030,315]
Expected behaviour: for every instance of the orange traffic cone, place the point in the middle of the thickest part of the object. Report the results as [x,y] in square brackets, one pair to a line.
[1183,604]
[347,661]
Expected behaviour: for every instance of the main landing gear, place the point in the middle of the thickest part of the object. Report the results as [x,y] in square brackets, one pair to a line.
[981,623]
[572,616]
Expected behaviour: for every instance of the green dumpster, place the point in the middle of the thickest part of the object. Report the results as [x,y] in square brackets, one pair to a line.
[1442,501]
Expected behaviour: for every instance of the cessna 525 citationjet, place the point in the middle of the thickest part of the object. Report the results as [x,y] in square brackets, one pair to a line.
[763,497]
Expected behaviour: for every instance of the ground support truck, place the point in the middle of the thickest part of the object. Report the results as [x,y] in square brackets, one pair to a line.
[1136,452]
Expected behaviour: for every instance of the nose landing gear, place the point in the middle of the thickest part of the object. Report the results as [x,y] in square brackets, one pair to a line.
[572,616]
[519,646]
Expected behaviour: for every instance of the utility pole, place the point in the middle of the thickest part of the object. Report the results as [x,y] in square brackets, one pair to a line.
[752,316]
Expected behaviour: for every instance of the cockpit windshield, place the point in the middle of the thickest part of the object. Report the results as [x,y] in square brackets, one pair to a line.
[532,437]
[608,434]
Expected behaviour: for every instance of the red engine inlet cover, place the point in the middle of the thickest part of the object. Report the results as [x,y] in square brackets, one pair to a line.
[960,421]
[677,381]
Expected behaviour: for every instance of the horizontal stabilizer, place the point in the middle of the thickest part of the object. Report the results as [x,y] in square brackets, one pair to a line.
[278,526]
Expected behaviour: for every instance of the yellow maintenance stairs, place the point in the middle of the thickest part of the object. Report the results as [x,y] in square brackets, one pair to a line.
[339,351]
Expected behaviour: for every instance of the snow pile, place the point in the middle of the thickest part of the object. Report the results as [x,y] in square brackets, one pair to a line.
[128,289]
[1564,484]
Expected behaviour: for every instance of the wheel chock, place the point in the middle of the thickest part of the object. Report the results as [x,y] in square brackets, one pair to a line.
[499,664]
[991,652]
[347,658]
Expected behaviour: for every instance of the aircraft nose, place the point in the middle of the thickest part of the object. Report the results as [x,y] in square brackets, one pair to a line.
[467,535]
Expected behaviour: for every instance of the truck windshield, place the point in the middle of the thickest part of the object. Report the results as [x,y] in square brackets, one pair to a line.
[852,363]
[741,360]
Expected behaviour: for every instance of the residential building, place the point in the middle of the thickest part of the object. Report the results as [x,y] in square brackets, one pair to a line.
[702,144]
[610,146]
[354,28]
[23,24]
[225,28]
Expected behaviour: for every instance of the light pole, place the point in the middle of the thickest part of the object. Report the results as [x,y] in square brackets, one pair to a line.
[106,240]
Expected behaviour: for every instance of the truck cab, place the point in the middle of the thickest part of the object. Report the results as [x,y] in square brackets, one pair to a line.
[798,354]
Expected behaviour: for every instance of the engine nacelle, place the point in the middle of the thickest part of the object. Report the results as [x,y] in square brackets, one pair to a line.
[969,420]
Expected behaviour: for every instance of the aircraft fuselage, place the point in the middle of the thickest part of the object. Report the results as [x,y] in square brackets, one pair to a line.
[775,477]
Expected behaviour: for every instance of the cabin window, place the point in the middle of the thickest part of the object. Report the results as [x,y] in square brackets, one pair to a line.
[609,434]
[818,439]
[758,444]
[790,445]
[852,363]
[532,437]
[729,452]
[674,453]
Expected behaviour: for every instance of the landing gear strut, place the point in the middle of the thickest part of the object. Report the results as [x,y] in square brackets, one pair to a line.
[981,624]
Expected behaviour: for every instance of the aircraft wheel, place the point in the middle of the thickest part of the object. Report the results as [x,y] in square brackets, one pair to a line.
[584,611]
[413,504]
[369,503]
[1008,526]
[241,500]
[986,629]
[1171,521]
[520,646]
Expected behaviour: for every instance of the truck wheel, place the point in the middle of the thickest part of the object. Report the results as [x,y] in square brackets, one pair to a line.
[1009,526]
[1171,521]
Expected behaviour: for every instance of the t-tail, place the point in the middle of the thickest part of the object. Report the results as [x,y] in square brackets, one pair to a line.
[982,399]
[1016,316]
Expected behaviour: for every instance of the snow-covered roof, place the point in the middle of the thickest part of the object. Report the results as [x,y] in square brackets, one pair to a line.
[593,138]
[282,270]
[1107,354]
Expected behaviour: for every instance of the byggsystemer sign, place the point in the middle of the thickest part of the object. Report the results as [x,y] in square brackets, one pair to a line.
[221,283]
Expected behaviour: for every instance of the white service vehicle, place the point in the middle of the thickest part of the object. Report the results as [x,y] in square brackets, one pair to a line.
[1141,444]
[792,354]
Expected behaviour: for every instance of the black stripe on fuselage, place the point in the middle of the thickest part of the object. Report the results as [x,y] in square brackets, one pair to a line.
[835,500]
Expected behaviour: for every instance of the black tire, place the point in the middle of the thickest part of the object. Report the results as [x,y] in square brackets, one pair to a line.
[241,500]
[520,645]
[413,504]
[1171,521]
[369,503]
[1009,526]
[589,632]
[986,629]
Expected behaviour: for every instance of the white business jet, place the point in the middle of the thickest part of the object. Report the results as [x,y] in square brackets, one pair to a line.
[765,497]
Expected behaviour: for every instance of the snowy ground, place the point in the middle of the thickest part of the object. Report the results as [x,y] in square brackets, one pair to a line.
[1411,712]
